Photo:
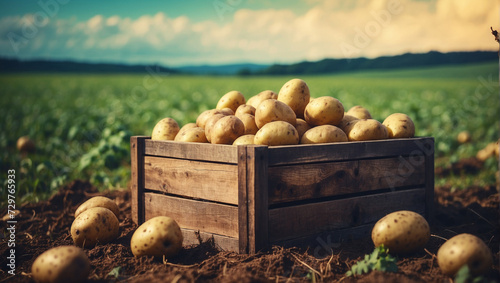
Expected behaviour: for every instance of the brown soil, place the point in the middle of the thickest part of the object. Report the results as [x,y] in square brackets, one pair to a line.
[46,224]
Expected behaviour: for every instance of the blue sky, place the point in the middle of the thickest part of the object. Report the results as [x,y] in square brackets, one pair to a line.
[190,32]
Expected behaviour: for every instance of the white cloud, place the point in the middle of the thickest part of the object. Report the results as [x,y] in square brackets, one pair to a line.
[328,29]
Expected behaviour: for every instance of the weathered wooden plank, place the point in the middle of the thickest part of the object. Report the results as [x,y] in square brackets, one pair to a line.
[137,178]
[242,200]
[309,219]
[204,180]
[193,237]
[317,180]
[429,182]
[193,151]
[191,214]
[301,154]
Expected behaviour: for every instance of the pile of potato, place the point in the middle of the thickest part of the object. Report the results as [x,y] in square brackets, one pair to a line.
[286,118]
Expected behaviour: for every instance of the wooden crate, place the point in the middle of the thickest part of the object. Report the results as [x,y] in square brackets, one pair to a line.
[249,198]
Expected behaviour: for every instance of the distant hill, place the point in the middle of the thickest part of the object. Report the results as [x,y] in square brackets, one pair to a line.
[229,69]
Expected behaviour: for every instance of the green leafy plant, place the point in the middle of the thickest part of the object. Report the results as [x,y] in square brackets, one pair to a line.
[464,276]
[379,260]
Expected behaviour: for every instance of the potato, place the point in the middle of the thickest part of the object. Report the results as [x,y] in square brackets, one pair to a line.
[399,125]
[261,96]
[25,144]
[98,201]
[249,123]
[277,133]
[202,119]
[210,124]
[301,126]
[490,150]
[295,93]
[323,134]
[243,140]
[159,236]
[359,112]
[347,123]
[227,111]
[273,110]
[186,127]
[165,129]
[464,137]
[244,109]
[95,225]
[226,130]
[61,264]
[324,110]
[464,249]
[195,134]
[401,232]
[367,129]
[231,100]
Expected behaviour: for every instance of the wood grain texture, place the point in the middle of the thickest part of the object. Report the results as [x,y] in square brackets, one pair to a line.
[317,180]
[137,178]
[242,200]
[193,237]
[193,151]
[196,215]
[203,180]
[309,219]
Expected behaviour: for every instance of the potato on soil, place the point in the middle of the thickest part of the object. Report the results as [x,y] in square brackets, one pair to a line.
[210,124]
[261,96]
[226,130]
[165,129]
[323,134]
[359,112]
[273,110]
[60,265]
[244,140]
[95,225]
[295,93]
[25,144]
[195,134]
[488,151]
[464,249]
[231,100]
[324,110]
[249,123]
[399,125]
[401,232]
[98,201]
[159,236]
[464,137]
[367,129]
[277,133]
[301,126]
[244,109]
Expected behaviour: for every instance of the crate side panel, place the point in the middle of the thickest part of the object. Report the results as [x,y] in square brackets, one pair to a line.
[195,237]
[191,214]
[318,180]
[193,151]
[309,219]
[204,180]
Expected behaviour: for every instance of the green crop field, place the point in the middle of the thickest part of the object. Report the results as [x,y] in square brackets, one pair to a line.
[81,124]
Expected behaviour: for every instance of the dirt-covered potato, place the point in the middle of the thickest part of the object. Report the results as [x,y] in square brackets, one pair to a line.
[25,144]
[98,201]
[301,126]
[277,133]
[165,129]
[60,265]
[244,109]
[273,110]
[401,232]
[261,96]
[323,134]
[226,130]
[159,236]
[95,225]
[195,134]
[367,129]
[210,124]
[399,125]
[464,249]
[464,137]
[243,140]
[295,93]
[249,123]
[231,100]
[359,112]
[324,110]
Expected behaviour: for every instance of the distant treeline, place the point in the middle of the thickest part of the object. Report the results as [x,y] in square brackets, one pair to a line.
[407,60]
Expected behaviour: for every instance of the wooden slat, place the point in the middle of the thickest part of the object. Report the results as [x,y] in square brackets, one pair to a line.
[196,215]
[204,180]
[192,237]
[242,200]
[301,154]
[429,182]
[317,180]
[193,151]
[137,178]
[309,219]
